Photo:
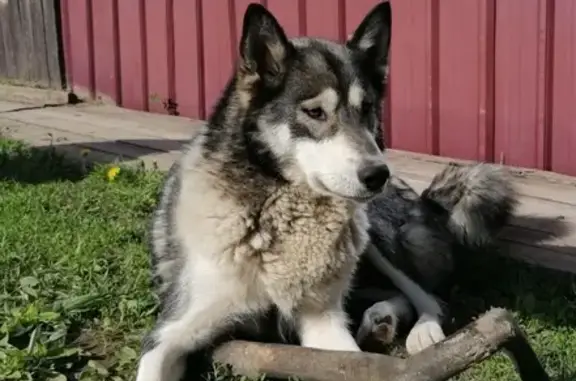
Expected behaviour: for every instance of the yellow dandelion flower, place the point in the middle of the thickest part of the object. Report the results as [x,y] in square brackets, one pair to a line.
[112,173]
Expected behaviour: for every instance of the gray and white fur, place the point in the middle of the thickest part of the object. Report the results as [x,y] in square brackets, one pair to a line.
[266,208]
[418,240]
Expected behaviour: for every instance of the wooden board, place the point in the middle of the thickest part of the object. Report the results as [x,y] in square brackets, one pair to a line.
[29,43]
[543,232]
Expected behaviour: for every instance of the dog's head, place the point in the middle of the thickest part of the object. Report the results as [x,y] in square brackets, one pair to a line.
[316,104]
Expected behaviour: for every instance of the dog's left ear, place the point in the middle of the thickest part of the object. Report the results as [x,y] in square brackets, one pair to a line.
[371,40]
[264,47]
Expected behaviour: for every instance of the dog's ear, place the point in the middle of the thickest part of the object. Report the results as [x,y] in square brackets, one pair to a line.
[371,40]
[264,47]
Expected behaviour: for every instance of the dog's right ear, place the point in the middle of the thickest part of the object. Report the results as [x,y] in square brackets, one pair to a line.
[264,47]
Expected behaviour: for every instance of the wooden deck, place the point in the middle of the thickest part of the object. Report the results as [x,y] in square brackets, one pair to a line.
[542,233]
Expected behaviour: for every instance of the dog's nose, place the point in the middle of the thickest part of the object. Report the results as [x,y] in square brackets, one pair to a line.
[374,176]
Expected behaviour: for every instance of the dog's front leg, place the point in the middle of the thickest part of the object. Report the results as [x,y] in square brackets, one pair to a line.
[326,329]
[191,319]
[171,339]
[428,329]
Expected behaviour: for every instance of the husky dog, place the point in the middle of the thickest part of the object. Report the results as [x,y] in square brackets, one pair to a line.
[418,240]
[266,208]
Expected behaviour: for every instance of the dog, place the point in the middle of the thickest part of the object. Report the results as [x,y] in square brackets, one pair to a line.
[266,207]
[418,242]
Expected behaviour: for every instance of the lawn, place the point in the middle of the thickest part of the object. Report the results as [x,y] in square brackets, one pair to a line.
[74,295]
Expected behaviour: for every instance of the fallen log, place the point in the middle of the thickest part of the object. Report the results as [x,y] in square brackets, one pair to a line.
[495,330]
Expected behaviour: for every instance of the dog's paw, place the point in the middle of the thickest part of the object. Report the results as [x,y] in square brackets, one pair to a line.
[379,323]
[385,328]
[426,332]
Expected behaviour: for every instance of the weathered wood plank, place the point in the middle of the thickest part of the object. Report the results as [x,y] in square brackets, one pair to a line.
[540,256]
[79,145]
[3,57]
[38,52]
[104,126]
[11,106]
[21,34]
[9,51]
[531,182]
[552,218]
[54,57]
[29,43]
[32,96]
[41,136]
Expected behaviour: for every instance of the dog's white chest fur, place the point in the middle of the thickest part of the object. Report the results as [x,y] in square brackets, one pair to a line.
[298,250]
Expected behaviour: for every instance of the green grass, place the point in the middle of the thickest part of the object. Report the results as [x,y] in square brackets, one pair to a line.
[74,290]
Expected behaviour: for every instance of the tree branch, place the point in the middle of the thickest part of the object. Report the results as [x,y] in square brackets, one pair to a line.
[480,339]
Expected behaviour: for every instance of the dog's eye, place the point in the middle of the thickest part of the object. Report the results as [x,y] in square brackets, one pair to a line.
[366,107]
[315,113]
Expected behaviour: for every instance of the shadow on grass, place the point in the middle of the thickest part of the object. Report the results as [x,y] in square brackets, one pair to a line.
[490,279]
[565,377]
[58,161]
[36,165]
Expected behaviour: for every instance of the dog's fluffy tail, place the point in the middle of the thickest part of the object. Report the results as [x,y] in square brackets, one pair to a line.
[479,199]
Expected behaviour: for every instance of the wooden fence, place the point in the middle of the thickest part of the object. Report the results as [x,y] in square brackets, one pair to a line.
[30,47]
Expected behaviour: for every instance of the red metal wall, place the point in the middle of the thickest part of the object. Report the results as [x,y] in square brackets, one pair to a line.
[472,79]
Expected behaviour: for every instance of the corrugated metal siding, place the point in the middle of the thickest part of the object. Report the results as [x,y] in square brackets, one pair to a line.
[473,79]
